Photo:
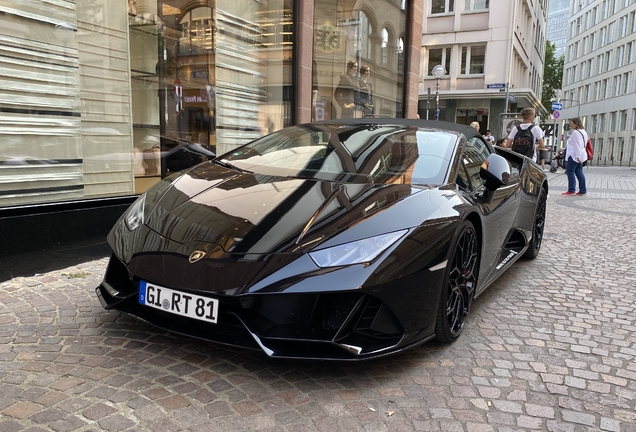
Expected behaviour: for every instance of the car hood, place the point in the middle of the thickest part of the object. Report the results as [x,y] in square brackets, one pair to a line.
[246,213]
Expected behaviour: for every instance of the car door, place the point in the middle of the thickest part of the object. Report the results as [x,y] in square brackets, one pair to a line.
[498,214]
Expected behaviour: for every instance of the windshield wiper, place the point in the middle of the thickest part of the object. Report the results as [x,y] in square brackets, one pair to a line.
[230,166]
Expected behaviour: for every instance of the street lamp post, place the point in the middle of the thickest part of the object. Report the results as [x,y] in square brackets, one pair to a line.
[438,72]
[578,111]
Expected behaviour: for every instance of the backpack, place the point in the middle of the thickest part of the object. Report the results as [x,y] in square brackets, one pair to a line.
[523,143]
[589,150]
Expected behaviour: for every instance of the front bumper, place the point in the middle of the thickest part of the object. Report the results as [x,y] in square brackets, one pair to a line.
[318,325]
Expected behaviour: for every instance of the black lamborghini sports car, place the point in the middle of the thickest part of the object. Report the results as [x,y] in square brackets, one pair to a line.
[343,239]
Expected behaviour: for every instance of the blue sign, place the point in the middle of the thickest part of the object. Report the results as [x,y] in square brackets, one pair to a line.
[511,97]
[557,106]
[496,86]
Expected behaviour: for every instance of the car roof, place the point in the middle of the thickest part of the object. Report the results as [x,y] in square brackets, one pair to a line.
[424,124]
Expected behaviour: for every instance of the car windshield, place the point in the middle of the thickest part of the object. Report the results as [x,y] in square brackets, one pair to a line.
[361,153]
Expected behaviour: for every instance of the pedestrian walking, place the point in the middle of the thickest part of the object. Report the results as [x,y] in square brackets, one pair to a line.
[525,138]
[576,156]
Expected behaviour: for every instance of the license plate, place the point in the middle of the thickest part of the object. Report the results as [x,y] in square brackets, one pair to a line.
[178,303]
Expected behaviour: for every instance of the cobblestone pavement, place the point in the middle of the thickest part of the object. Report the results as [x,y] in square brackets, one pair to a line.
[550,346]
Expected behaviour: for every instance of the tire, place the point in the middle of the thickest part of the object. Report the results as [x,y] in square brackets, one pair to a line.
[534,245]
[459,287]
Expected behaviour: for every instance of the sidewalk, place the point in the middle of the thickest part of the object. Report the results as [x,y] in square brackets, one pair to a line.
[602,182]
[550,346]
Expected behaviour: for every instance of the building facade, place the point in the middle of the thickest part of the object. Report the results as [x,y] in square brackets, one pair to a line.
[557,32]
[598,76]
[483,45]
[100,99]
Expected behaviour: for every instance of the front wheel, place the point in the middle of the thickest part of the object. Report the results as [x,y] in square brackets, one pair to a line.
[534,245]
[459,287]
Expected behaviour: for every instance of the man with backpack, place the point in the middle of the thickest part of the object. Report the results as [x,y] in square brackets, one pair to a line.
[526,137]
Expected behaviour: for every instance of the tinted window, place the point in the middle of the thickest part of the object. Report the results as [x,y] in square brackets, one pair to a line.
[357,153]
[475,154]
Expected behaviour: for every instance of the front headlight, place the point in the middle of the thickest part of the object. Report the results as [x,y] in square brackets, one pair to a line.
[135,214]
[361,251]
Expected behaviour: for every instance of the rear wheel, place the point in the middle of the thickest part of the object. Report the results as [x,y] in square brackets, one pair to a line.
[537,229]
[459,289]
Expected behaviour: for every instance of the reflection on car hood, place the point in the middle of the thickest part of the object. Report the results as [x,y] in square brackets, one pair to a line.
[248,213]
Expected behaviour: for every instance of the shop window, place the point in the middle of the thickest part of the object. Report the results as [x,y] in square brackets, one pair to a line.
[468,115]
[223,76]
[348,40]
[66,95]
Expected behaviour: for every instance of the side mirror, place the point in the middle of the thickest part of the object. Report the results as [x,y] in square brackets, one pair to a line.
[495,171]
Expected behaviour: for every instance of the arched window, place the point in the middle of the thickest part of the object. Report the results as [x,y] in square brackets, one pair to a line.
[197,29]
[400,54]
[365,31]
[385,46]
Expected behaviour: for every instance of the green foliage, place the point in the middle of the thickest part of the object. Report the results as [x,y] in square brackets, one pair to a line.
[552,75]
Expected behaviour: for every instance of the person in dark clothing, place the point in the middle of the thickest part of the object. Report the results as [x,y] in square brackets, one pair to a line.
[366,91]
[348,90]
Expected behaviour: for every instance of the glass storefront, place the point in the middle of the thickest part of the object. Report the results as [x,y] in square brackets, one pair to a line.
[206,78]
[222,71]
[468,115]
[358,63]
[102,98]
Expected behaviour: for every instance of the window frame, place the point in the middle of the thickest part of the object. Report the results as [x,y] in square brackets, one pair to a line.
[385,43]
[470,143]
[448,7]
[469,5]
[446,62]
[466,62]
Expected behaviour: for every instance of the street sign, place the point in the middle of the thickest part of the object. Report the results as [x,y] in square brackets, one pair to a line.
[495,86]
[511,97]
[557,106]
[556,114]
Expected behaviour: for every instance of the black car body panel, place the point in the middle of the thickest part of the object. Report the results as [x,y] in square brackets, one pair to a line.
[253,241]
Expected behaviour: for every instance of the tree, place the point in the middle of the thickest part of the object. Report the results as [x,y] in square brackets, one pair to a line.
[552,75]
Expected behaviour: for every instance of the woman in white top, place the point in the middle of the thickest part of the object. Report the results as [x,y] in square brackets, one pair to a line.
[576,155]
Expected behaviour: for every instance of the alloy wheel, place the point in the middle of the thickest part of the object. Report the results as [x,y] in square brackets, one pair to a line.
[462,281]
